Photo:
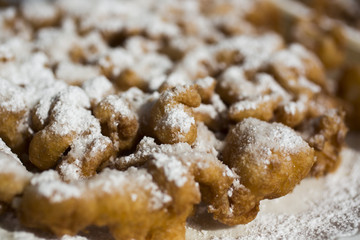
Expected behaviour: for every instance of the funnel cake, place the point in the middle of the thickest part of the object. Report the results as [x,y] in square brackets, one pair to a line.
[13,114]
[269,158]
[13,175]
[161,209]
[172,118]
[219,186]
[77,142]
[129,114]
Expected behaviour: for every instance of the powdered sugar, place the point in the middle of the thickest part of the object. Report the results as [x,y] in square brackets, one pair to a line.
[324,208]
[307,84]
[40,11]
[69,123]
[5,149]
[218,104]
[266,82]
[131,181]
[239,87]
[77,48]
[182,152]
[207,109]
[173,169]
[43,105]
[206,141]
[157,27]
[71,171]
[83,150]
[48,184]
[10,165]
[118,105]
[118,59]
[177,118]
[97,88]
[235,81]
[75,74]
[262,139]
[5,54]
[69,118]
[294,107]
[255,49]
[10,99]
[206,82]
[289,59]
[249,104]
[147,147]
[197,62]
[176,79]
[151,65]
[139,45]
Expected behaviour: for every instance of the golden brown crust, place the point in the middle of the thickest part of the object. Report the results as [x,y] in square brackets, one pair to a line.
[13,175]
[85,157]
[118,121]
[171,119]
[186,111]
[156,202]
[268,170]
[46,148]
[69,137]
[14,114]
[349,90]
[227,200]
[326,134]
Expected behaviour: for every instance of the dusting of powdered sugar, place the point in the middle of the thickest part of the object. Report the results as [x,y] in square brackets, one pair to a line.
[118,106]
[326,208]
[82,150]
[117,60]
[49,185]
[39,10]
[176,79]
[206,82]
[69,113]
[75,74]
[256,50]
[27,78]
[123,183]
[10,99]
[173,169]
[10,164]
[177,118]
[71,171]
[97,88]
[206,109]
[129,182]
[288,59]
[5,149]
[249,104]
[263,138]
[71,119]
